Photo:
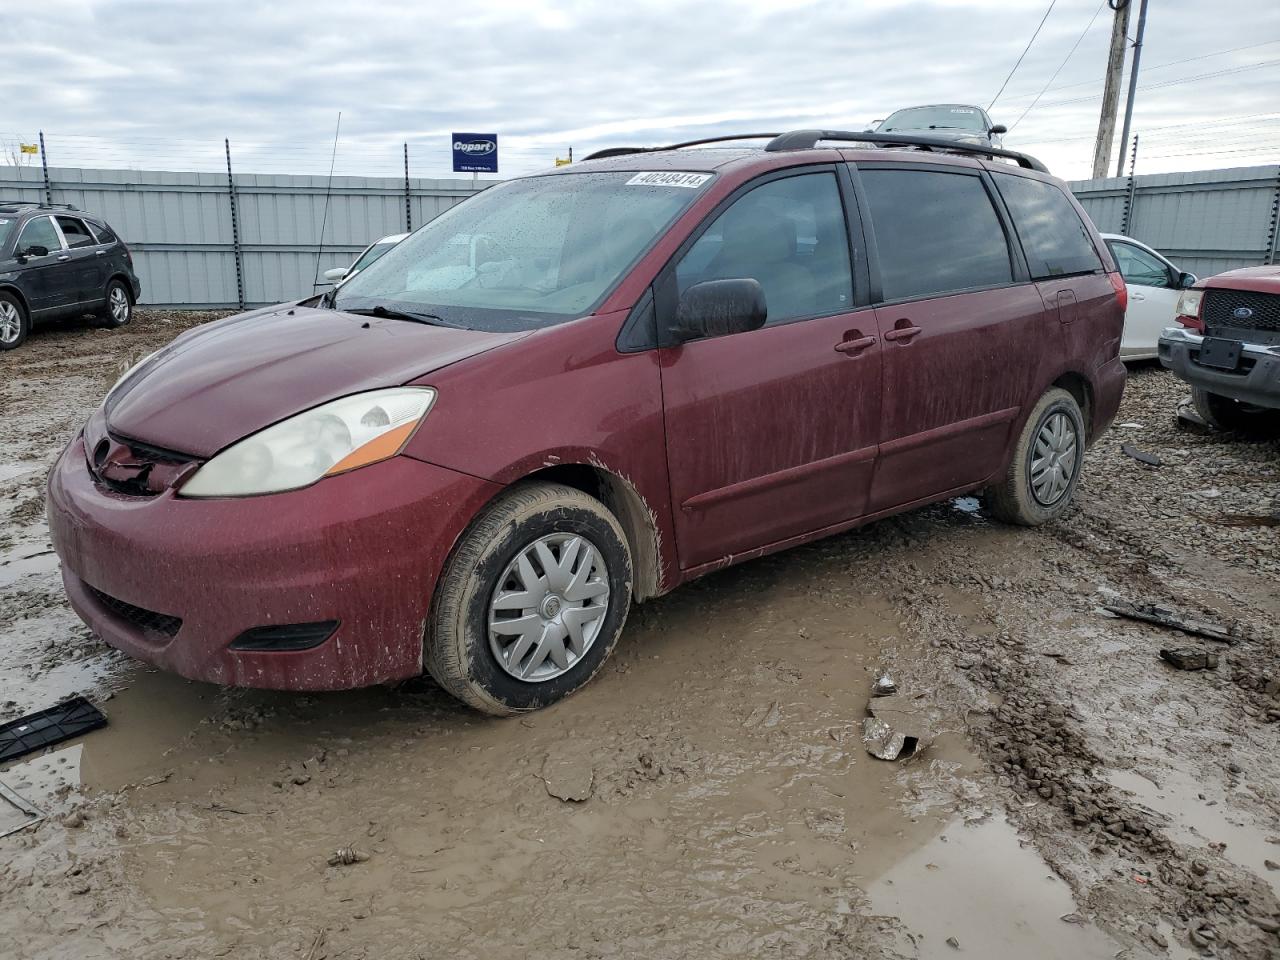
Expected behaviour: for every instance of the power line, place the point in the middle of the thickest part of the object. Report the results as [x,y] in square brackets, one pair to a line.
[1075,46]
[1052,3]
[1173,83]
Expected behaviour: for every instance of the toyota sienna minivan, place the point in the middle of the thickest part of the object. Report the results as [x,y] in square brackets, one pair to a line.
[659,363]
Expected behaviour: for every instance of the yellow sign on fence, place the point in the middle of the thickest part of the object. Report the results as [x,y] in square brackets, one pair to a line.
[28,148]
[562,163]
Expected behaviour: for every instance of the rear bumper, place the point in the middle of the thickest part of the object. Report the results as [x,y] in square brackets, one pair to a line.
[1257,382]
[363,549]
[1108,385]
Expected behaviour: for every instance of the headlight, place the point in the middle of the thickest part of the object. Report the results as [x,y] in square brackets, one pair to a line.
[332,438]
[1189,303]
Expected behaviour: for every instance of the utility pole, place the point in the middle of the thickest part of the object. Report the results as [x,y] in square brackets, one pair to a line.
[1133,81]
[1111,93]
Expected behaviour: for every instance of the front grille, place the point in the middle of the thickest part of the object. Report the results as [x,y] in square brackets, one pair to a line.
[1221,307]
[146,620]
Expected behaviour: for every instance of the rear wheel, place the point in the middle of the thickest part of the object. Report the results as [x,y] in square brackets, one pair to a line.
[1042,476]
[14,322]
[531,602]
[1227,414]
[118,309]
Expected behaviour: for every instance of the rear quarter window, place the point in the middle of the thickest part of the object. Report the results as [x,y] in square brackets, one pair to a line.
[1054,238]
[103,232]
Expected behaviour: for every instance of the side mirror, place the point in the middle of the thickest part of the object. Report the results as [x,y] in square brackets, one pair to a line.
[715,308]
[999,128]
[1187,280]
[35,250]
[334,274]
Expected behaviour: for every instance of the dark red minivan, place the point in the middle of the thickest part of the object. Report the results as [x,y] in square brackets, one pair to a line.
[581,389]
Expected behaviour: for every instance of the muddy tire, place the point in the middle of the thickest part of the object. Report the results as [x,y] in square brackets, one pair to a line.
[1042,475]
[117,309]
[1223,413]
[15,323]
[531,602]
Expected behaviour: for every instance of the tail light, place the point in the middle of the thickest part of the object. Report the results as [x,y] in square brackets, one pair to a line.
[1189,310]
[1122,292]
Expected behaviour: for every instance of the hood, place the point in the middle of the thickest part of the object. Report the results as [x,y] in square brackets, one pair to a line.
[219,383]
[1257,279]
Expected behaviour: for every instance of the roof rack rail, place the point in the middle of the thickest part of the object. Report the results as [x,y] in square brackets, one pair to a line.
[808,139]
[624,151]
[38,204]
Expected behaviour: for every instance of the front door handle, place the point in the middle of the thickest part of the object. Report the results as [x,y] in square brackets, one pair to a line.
[65,256]
[902,333]
[856,344]
[102,253]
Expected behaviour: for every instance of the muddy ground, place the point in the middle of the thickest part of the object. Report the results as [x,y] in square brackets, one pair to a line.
[1080,798]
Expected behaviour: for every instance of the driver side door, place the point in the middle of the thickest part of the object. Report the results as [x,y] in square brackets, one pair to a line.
[1153,298]
[48,280]
[771,433]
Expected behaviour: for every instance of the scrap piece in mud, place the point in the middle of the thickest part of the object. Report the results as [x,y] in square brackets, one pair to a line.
[884,685]
[1190,419]
[1163,617]
[1189,658]
[49,726]
[32,814]
[346,856]
[568,772]
[894,731]
[1140,455]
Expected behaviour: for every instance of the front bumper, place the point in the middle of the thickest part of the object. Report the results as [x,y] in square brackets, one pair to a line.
[363,548]
[1257,381]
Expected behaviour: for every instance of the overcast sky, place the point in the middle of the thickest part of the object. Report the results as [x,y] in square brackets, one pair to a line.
[159,83]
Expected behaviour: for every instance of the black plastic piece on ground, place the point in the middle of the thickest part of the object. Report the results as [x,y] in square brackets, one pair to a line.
[287,636]
[53,725]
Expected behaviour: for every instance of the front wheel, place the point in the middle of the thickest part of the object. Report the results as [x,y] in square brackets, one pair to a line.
[1045,468]
[118,309]
[1224,413]
[531,602]
[14,322]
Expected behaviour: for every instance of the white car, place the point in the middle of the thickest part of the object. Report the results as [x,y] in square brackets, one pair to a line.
[1154,286]
[369,254]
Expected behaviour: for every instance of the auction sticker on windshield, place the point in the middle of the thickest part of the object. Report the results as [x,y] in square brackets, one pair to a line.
[667,178]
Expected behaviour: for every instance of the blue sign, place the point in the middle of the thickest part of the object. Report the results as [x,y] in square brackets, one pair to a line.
[475,153]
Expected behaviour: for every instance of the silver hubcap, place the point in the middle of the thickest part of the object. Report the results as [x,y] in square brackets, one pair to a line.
[1053,459]
[548,607]
[119,305]
[10,322]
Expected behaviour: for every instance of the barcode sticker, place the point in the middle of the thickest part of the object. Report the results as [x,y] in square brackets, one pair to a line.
[668,178]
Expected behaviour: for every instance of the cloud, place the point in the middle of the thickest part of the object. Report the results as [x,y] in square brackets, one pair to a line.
[157,84]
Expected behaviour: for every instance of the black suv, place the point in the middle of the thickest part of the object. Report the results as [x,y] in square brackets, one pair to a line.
[58,262]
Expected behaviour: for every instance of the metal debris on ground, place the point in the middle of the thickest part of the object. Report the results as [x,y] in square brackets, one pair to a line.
[345,856]
[1190,419]
[47,727]
[1164,617]
[894,731]
[33,814]
[1189,658]
[884,685]
[1141,455]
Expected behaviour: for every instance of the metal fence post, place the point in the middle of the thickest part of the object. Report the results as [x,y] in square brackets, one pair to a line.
[408,210]
[1131,196]
[1275,221]
[44,163]
[235,229]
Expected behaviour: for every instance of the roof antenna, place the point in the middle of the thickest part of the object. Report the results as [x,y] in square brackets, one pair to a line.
[324,219]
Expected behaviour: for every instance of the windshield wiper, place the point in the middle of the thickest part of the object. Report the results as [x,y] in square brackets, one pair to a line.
[390,313]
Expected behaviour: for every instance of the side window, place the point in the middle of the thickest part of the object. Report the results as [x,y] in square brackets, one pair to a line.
[1054,238]
[105,235]
[77,233]
[1139,267]
[788,234]
[39,233]
[935,233]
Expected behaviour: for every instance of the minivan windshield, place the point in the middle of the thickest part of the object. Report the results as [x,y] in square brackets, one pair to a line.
[526,253]
[935,118]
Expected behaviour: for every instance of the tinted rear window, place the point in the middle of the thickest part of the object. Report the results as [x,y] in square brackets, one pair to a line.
[103,232]
[1054,238]
[936,233]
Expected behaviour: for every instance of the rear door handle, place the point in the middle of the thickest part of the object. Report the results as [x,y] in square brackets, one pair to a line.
[65,256]
[855,346]
[902,333]
[102,253]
